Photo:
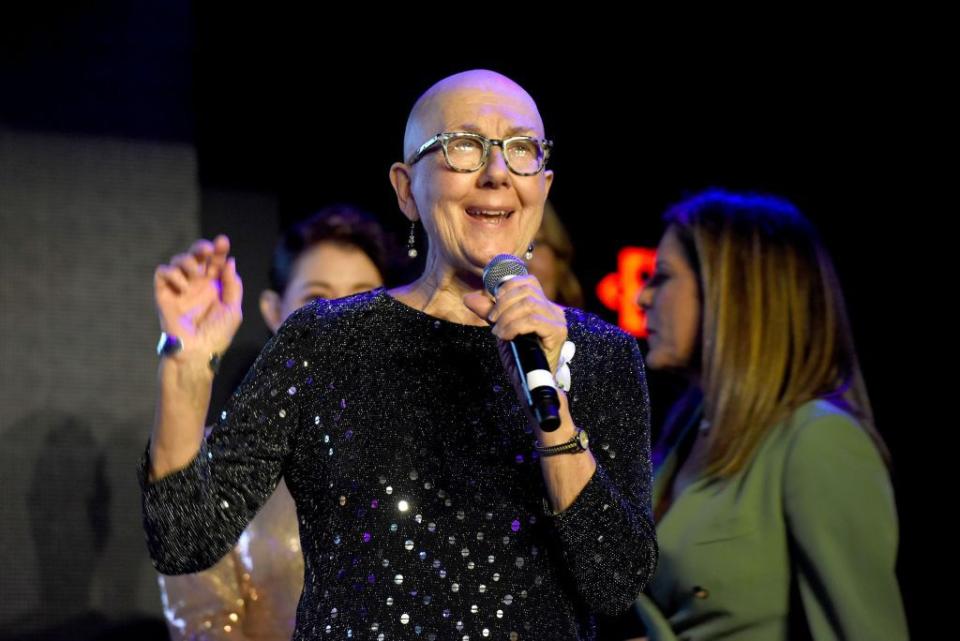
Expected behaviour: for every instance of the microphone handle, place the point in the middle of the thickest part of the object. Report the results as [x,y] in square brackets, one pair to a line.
[537,381]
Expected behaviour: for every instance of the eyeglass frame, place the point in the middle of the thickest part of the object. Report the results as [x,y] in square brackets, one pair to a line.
[443,138]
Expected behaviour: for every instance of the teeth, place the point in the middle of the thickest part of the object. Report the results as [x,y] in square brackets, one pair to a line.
[487,213]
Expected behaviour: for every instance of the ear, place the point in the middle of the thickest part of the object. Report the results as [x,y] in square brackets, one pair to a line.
[548,177]
[270,309]
[402,181]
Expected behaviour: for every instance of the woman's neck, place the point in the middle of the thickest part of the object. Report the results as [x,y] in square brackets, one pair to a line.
[439,292]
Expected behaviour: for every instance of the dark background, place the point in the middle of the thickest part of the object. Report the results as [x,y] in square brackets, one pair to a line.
[261,117]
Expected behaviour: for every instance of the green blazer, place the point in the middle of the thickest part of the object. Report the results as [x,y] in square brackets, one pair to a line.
[807,531]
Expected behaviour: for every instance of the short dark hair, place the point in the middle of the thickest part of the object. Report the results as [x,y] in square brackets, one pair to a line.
[342,224]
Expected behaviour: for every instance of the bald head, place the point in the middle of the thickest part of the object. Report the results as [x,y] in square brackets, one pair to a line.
[444,105]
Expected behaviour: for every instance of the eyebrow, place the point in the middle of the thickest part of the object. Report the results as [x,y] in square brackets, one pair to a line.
[516,130]
[324,284]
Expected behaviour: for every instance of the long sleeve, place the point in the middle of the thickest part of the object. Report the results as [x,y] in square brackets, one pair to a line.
[251,594]
[842,520]
[195,515]
[606,536]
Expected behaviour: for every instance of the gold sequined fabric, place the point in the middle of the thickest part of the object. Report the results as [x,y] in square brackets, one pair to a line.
[251,594]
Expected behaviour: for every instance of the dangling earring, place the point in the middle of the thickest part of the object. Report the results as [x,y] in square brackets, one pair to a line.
[529,253]
[412,241]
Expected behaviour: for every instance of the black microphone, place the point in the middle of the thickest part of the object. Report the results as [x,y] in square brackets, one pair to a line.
[535,377]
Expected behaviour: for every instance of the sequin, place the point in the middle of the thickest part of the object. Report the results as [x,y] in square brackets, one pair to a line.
[404,618]
[425,432]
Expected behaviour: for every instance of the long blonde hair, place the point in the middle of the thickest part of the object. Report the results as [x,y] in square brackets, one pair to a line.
[775,331]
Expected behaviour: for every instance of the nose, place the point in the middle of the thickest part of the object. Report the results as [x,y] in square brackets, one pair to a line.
[645,298]
[495,172]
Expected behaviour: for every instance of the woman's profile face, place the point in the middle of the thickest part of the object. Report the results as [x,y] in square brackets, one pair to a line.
[671,300]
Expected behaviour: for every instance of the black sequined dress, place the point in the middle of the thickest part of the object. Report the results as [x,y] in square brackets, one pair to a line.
[420,500]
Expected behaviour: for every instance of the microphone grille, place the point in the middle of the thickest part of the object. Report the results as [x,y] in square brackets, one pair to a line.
[500,269]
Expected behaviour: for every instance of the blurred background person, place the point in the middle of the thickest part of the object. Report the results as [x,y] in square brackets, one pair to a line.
[775,513]
[551,261]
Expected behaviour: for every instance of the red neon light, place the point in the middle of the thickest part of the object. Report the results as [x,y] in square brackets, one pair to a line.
[619,291]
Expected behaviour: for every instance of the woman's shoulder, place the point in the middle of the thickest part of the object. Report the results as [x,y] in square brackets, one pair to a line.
[820,431]
[820,418]
[331,314]
[588,327]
